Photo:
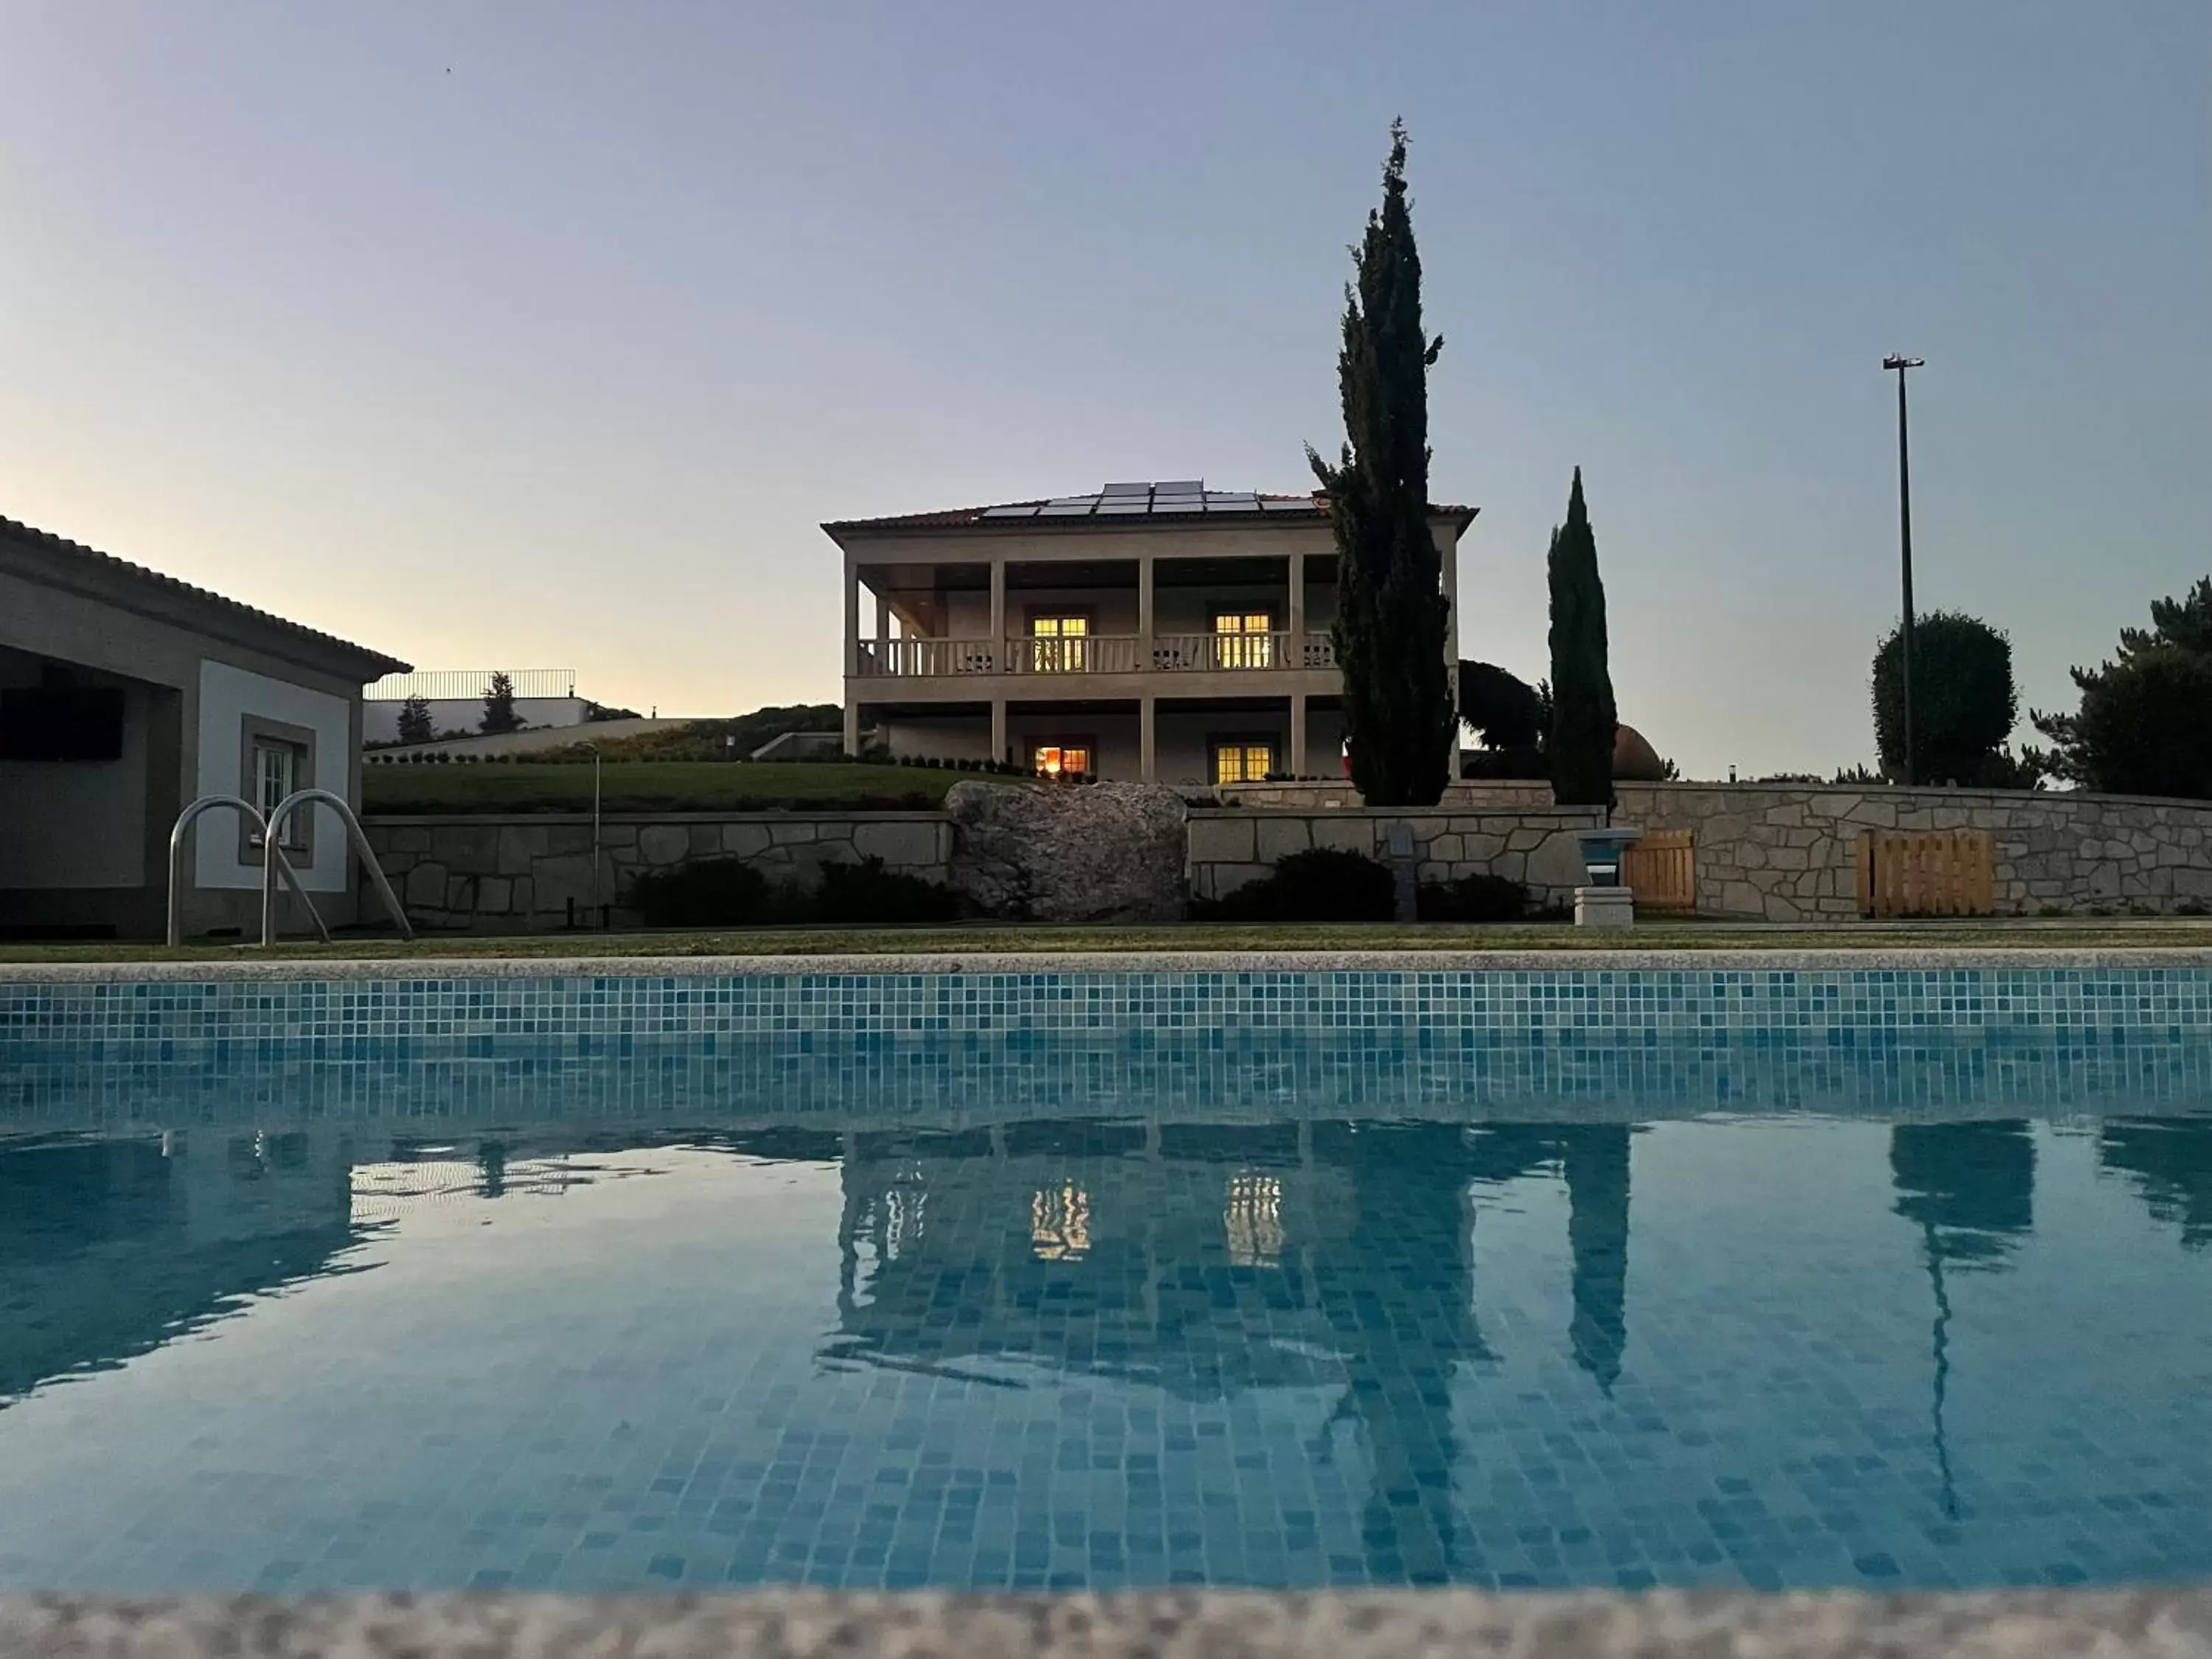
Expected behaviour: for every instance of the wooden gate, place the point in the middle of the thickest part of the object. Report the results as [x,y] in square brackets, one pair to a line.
[1941,873]
[1663,871]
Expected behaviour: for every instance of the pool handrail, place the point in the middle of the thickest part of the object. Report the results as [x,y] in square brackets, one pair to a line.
[252,816]
[271,854]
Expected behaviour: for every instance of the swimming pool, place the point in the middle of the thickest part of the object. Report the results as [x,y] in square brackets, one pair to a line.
[1761,1275]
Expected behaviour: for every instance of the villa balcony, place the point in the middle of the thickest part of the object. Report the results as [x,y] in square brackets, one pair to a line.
[1096,653]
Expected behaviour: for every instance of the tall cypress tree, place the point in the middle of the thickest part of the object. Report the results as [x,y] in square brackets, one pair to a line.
[1391,611]
[1583,714]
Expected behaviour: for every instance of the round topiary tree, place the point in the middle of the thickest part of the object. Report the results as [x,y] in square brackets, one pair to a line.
[1964,702]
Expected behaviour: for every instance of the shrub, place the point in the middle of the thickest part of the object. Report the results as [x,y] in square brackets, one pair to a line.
[1322,885]
[1473,898]
[867,891]
[713,893]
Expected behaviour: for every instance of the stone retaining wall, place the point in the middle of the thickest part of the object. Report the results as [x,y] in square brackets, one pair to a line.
[1535,846]
[1790,853]
[535,870]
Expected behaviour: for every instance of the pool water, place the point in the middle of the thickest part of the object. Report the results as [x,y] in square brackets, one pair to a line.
[269,1336]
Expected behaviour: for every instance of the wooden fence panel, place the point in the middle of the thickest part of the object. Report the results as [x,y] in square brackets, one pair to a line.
[1661,869]
[1941,872]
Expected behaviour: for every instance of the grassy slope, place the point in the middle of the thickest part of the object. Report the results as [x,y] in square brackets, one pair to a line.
[651,785]
[969,939]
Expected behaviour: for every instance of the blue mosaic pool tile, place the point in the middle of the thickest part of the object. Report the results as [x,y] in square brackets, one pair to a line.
[1841,1006]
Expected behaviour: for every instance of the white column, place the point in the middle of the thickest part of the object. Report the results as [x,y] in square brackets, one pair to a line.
[999,656]
[998,728]
[1144,626]
[1297,624]
[852,659]
[1298,761]
[852,622]
[1451,643]
[1148,734]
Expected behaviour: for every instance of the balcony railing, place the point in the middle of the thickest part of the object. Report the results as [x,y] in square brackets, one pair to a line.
[1095,654]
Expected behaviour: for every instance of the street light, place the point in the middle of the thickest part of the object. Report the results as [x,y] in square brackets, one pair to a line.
[1900,363]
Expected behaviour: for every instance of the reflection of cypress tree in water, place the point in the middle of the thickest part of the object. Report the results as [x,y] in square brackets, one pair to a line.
[1594,1159]
[1401,1302]
[1971,1187]
[2171,1162]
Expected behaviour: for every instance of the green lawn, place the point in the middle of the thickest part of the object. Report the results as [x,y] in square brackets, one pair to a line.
[652,786]
[973,939]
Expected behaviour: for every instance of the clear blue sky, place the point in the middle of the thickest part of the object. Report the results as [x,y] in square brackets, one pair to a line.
[544,334]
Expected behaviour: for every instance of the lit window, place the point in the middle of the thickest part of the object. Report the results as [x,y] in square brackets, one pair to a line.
[1059,644]
[1062,760]
[1244,638]
[1243,762]
[276,775]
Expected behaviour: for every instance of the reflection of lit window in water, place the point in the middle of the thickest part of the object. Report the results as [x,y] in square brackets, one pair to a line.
[1060,1224]
[900,1226]
[1254,1220]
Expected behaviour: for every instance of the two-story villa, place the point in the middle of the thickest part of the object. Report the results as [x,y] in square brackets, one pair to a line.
[1164,632]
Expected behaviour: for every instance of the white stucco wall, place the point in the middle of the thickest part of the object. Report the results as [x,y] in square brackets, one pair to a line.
[227,696]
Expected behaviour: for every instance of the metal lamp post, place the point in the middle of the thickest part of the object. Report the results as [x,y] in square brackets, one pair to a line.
[1900,363]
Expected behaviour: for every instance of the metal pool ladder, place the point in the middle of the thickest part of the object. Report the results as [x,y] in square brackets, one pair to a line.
[273,861]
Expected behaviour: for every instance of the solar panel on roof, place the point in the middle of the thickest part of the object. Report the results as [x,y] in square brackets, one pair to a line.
[1225,501]
[1128,490]
[1026,511]
[1125,504]
[1066,509]
[1181,487]
[1299,506]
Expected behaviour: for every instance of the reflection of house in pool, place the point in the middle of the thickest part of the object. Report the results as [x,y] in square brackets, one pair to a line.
[1205,1259]
[111,1248]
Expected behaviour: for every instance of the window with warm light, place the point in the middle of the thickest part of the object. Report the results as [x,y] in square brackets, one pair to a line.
[1243,762]
[1059,644]
[1060,760]
[1244,638]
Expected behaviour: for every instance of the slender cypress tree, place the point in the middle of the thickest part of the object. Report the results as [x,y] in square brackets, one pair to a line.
[1584,718]
[1391,611]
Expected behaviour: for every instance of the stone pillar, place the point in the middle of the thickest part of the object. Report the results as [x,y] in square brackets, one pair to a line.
[1148,736]
[852,724]
[998,728]
[999,654]
[1297,767]
[1297,624]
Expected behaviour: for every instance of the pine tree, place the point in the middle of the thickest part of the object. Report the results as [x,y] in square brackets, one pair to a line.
[1392,617]
[415,720]
[1584,718]
[499,706]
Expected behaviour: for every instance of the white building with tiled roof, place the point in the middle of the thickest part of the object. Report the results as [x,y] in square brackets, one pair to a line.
[1161,631]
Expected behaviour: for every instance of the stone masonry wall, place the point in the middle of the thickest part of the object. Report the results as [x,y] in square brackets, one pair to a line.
[1789,853]
[1535,846]
[526,872]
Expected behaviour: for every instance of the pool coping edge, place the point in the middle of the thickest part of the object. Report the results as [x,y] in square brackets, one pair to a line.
[795,1623]
[946,963]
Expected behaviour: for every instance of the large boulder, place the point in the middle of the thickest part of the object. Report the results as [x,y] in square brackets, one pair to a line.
[1094,851]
